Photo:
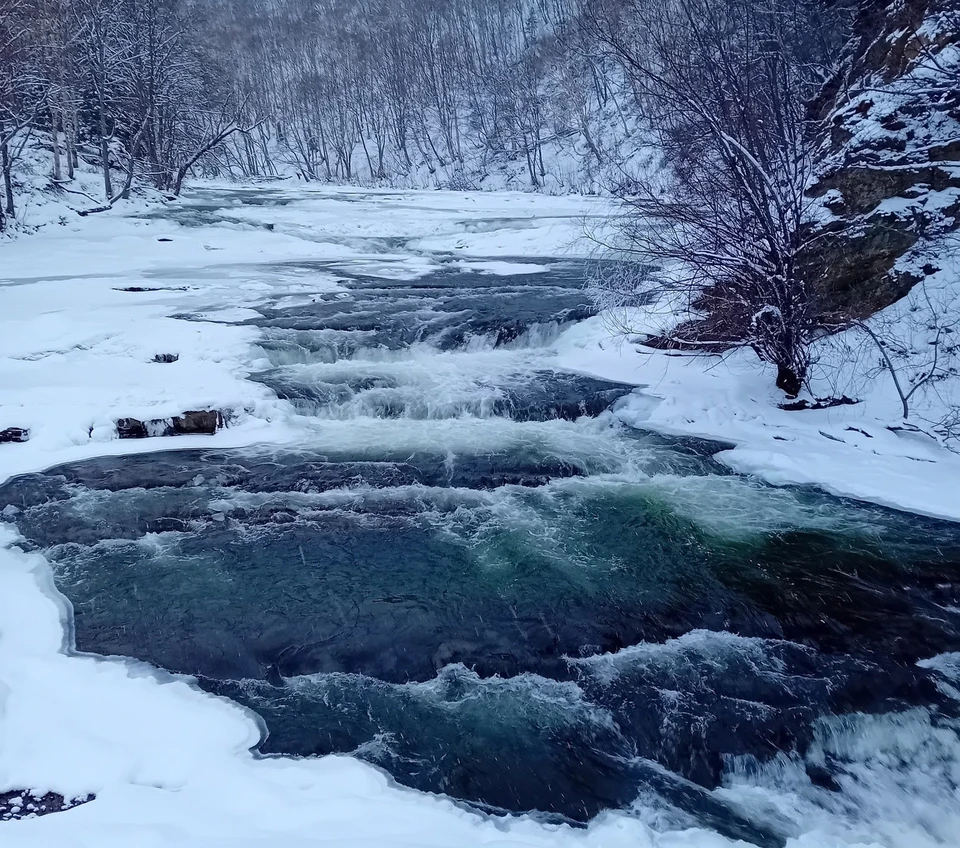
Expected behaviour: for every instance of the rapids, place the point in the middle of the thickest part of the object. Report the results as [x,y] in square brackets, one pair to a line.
[472,574]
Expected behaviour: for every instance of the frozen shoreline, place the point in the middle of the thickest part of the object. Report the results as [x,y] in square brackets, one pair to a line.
[847,451]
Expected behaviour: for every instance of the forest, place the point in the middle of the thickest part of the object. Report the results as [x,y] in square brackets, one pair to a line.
[713,122]
[362,90]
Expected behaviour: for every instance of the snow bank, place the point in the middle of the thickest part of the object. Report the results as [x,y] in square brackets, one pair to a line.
[76,352]
[847,450]
[86,306]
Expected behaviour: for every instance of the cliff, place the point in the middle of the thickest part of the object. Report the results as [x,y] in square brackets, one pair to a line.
[887,188]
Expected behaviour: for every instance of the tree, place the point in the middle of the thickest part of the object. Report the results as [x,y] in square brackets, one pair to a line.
[916,345]
[23,93]
[724,86]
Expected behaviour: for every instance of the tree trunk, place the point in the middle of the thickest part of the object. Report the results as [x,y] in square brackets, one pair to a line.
[9,208]
[55,134]
[788,381]
[588,137]
[180,176]
[104,149]
[69,132]
[531,166]
[128,182]
[366,153]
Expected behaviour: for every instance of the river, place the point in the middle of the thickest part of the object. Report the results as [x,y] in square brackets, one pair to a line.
[470,573]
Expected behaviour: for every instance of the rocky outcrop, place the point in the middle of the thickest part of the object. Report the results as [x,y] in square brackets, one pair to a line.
[888,175]
[23,804]
[14,434]
[198,423]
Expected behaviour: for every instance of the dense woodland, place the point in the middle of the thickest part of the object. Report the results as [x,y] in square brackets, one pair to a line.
[332,90]
[347,90]
[713,121]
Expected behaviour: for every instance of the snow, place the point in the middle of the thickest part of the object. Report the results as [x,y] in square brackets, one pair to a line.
[76,352]
[500,268]
[847,450]
[171,765]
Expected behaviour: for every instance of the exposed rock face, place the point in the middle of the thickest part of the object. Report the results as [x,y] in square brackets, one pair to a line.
[198,423]
[14,434]
[889,171]
[23,804]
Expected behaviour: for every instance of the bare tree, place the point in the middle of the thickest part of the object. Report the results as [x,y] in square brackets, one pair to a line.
[106,56]
[24,92]
[211,130]
[724,86]
[916,345]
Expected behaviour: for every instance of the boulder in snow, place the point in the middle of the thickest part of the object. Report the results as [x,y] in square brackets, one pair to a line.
[195,423]
[14,434]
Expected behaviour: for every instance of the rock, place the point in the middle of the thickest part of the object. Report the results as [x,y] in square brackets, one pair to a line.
[131,428]
[851,266]
[166,358]
[14,434]
[887,163]
[198,423]
[820,403]
[864,187]
[22,804]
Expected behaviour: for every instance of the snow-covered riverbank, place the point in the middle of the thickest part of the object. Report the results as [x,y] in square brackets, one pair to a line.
[849,451]
[85,308]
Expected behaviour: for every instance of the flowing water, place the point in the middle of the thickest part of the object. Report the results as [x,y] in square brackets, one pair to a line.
[472,574]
